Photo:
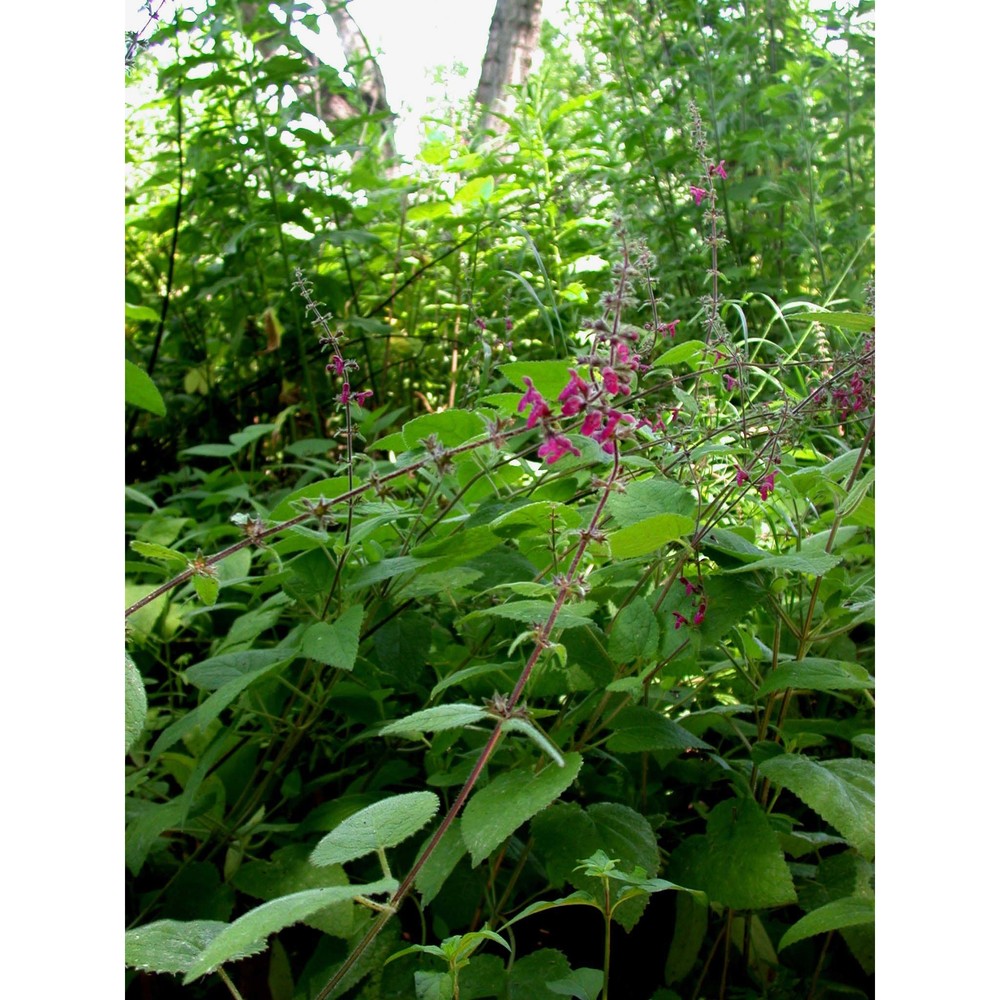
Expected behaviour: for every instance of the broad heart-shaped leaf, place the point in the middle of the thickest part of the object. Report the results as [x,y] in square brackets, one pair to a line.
[816,674]
[648,535]
[847,912]
[335,644]
[841,791]
[383,824]
[509,800]
[140,390]
[173,945]
[738,862]
[584,984]
[250,932]
[434,720]
[135,703]
[646,498]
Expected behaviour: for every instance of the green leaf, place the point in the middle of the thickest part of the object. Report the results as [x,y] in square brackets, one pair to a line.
[479,189]
[847,912]
[213,706]
[135,703]
[151,550]
[686,353]
[211,451]
[327,489]
[690,928]
[537,613]
[496,811]
[250,932]
[646,498]
[449,851]
[335,644]
[584,984]
[841,791]
[640,729]
[452,427]
[383,824]
[738,862]
[647,536]
[140,390]
[548,377]
[525,728]
[815,674]
[206,587]
[435,720]
[845,320]
[173,945]
[140,314]
[792,562]
[636,633]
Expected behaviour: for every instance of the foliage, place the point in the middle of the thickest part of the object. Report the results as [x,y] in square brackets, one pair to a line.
[554,593]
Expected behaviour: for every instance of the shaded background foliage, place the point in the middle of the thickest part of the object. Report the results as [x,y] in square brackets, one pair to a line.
[248,160]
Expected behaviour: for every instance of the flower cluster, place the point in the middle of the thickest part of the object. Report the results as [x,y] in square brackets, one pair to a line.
[698,601]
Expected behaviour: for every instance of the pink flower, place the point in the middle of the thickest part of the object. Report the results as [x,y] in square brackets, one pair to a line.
[767,486]
[610,380]
[533,398]
[689,587]
[574,396]
[719,170]
[591,424]
[671,328]
[697,193]
[679,619]
[360,397]
[742,475]
[555,447]
[336,365]
[345,393]
[729,381]
[699,615]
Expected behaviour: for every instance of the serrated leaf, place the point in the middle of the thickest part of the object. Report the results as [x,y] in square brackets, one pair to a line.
[841,791]
[496,811]
[435,720]
[335,644]
[383,824]
[847,912]
[647,498]
[642,729]
[738,862]
[636,633]
[525,728]
[173,945]
[151,550]
[327,489]
[690,928]
[141,391]
[816,674]
[584,984]
[449,851]
[792,562]
[537,613]
[135,703]
[252,929]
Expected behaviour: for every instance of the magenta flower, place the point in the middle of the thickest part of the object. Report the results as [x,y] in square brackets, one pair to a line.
[671,328]
[679,619]
[533,398]
[555,447]
[574,396]
[719,170]
[591,424]
[689,587]
[730,382]
[742,476]
[767,486]
[699,615]
[697,193]
[336,365]
[611,384]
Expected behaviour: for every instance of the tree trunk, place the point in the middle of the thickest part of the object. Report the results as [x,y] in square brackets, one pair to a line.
[513,40]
